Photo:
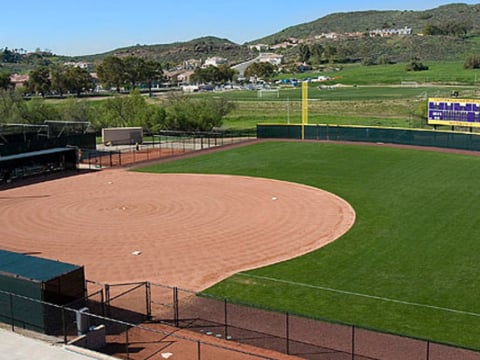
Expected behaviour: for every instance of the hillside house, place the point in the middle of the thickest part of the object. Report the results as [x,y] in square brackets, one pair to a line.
[80,64]
[272,58]
[18,80]
[192,64]
[390,32]
[259,47]
[215,61]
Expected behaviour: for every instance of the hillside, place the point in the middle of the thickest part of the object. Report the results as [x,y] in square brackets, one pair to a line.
[178,52]
[457,36]
[396,48]
[363,21]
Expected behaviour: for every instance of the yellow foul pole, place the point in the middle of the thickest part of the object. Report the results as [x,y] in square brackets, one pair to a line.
[304,107]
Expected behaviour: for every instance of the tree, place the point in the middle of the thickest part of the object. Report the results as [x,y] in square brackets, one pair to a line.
[415,65]
[213,74]
[317,54]
[59,82]
[134,68]
[37,111]
[11,106]
[304,53]
[451,29]
[131,110]
[5,82]
[78,80]
[39,81]
[190,114]
[472,62]
[225,73]
[111,72]
[153,73]
[78,110]
[15,109]
[262,70]
[330,52]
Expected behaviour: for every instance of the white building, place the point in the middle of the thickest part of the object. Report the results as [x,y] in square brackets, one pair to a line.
[389,32]
[215,61]
[272,58]
[79,64]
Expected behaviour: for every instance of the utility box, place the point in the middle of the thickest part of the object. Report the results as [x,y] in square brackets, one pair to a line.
[36,280]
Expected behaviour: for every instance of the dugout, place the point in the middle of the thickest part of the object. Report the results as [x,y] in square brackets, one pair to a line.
[37,280]
[13,167]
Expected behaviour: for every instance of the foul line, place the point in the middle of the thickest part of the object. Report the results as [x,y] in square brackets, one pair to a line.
[361,295]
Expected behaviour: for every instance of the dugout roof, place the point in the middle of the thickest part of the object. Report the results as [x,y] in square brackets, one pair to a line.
[31,267]
[31,154]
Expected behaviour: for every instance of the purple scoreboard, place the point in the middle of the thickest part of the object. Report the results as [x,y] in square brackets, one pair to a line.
[454,112]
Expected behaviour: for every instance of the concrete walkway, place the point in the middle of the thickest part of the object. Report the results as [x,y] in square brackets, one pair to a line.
[15,346]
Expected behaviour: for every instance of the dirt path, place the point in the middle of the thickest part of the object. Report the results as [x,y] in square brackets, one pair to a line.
[189,231]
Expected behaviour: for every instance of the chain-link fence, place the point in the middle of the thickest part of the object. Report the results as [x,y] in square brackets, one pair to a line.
[160,145]
[283,332]
[80,324]
[145,320]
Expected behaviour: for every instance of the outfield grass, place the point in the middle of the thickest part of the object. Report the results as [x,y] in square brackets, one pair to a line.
[409,264]
[388,106]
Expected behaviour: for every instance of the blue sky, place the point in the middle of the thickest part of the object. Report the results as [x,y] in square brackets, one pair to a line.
[94,26]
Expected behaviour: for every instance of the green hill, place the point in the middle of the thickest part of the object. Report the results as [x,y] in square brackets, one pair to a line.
[364,21]
[452,33]
[178,52]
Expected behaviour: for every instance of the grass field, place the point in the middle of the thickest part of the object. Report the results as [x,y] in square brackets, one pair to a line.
[360,105]
[439,72]
[409,264]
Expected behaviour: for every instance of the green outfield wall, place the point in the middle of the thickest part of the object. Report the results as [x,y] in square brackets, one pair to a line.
[435,138]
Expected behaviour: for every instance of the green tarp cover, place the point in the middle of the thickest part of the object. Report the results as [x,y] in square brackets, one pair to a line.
[31,267]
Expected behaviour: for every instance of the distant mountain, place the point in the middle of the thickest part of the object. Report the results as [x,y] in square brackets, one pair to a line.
[201,48]
[456,28]
[364,21]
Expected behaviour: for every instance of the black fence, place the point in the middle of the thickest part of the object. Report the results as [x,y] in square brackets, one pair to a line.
[283,332]
[139,321]
[415,137]
[82,324]
[160,145]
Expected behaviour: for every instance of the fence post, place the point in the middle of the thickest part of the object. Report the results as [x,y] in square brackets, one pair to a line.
[175,306]
[148,299]
[287,332]
[225,310]
[107,299]
[127,344]
[11,312]
[64,325]
[102,299]
[353,342]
